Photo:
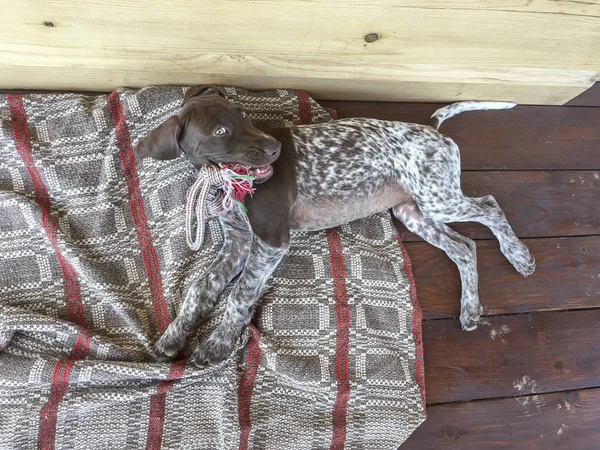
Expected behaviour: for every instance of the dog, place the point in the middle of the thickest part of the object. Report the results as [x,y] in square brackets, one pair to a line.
[314,177]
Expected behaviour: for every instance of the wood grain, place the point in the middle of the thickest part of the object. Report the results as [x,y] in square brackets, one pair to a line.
[512,355]
[558,420]
[536,203]
[522,138]
[528,51]
[567,276]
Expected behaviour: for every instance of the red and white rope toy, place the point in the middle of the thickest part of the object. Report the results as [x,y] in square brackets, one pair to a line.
[216,190]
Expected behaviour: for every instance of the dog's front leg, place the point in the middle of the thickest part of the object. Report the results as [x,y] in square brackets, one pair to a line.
[261,263]
[204,292]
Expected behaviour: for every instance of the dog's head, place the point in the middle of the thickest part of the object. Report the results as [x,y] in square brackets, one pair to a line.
[210,129]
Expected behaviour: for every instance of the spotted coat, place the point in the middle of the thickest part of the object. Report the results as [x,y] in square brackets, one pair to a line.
[346,170]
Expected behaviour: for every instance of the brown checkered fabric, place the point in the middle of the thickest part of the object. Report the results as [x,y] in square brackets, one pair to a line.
[93,262]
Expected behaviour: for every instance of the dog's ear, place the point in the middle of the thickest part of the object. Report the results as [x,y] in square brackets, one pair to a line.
[195,91]
[162,142]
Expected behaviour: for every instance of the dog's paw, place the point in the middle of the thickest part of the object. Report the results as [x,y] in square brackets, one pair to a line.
[520,257]
[212,351]
[469,317]
[168,346]
[527,266]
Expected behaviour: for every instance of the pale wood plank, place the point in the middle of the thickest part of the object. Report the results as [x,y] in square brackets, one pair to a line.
[526,51]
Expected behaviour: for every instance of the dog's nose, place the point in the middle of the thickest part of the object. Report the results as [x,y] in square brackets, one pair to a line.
[272,149]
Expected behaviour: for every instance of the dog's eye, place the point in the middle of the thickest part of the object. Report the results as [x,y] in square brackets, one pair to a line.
[221,131]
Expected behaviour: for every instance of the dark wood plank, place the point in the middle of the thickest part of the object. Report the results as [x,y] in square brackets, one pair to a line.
[567,276]
[537,204]
[401,112]
[591,97]
[512,355]
[523,138]
[559,420]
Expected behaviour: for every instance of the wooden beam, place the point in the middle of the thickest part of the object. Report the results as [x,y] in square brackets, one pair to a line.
[526,51]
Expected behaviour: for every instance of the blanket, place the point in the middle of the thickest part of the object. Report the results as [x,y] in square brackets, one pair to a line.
[93,263]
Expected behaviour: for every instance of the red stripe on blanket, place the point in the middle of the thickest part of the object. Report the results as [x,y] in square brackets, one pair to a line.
[23,144]
[81,347]
[156,420]
[60,374]
[49,412]
[158,406]
[58,388]
[342,310]
[304,107]
[137,211]
[417,324]
[246,386]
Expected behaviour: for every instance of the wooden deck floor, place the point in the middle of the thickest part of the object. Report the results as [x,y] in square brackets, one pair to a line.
[529,377]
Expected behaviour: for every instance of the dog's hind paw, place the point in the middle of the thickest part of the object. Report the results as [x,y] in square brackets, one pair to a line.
[469,317]
[521,259]
[528,268]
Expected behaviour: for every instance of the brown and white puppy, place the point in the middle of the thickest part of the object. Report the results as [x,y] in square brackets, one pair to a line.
[315,177]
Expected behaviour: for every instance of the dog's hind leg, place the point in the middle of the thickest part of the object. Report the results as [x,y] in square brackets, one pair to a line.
[203,293]
[262,261]
[432,178]
[486,211]
[459,249]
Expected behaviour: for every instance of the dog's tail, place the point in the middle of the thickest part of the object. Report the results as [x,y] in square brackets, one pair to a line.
[456,108]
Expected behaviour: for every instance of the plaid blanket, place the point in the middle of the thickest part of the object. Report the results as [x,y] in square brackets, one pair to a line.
[93,262]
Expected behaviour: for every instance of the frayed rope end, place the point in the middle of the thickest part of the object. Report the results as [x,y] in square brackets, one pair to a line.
[217,189]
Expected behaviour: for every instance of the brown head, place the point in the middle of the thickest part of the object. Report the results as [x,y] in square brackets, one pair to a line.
[210,129]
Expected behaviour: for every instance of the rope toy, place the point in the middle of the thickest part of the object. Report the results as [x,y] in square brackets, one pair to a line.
[216,190]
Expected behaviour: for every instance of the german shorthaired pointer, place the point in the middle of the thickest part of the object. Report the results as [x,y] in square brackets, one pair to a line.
[315,177]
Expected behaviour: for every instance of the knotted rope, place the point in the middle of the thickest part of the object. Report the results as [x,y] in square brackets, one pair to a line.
[216,191]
